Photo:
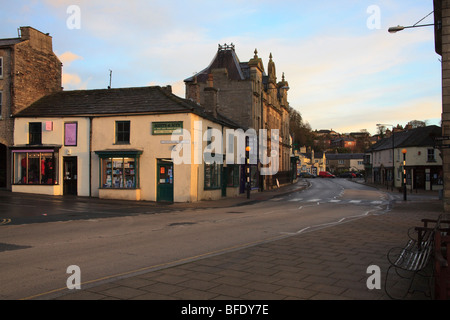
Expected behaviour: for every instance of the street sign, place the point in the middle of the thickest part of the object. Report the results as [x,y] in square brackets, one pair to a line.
[442,138]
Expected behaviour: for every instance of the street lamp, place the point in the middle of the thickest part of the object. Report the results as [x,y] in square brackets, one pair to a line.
[404,174]
[416,25]
[393,153]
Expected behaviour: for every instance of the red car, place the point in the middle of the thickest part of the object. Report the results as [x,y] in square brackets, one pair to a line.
[325,174]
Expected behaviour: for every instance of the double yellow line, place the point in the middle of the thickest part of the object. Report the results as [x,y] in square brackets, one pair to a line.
[5,221]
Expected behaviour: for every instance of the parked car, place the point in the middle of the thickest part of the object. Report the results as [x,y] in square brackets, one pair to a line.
[347,175]
[307,175]
[326,174]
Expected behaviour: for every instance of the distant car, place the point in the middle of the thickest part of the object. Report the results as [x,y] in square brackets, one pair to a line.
[347,175]
[307,175]
[326,174]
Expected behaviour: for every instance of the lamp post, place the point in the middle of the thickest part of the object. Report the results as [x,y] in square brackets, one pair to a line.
[404,174]
[416,25]
[247,166]
[393,153]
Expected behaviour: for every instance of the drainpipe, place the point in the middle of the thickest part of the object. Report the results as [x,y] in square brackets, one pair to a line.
[90,157]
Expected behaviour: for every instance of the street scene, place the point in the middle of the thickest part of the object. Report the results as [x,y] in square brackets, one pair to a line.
[116,242]
[226,158]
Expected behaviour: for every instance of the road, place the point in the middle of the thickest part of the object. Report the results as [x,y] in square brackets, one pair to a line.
[108,241]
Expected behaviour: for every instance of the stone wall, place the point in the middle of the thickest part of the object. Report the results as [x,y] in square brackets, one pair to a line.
[30,71]
[446,97]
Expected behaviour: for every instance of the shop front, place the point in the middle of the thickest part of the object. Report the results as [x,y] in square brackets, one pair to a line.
[119,174]
[35,169]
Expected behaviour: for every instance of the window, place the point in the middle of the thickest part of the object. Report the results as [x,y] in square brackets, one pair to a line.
[233,175]
[1,104]
[70,133]
[209,138]
[35,133]
[430,157]
[35,167]
[1,67]
[340,161]
[119,173]
[122,132]
[213,176]
[119,170]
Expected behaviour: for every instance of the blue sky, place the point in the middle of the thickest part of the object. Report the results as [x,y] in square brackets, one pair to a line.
[345,71]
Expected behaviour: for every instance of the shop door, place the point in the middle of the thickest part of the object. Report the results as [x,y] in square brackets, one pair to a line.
[70,176]
[224,181]
[3,153]
[165,181]
[419,178]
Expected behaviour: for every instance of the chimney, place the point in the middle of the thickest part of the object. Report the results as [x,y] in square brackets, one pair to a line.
[167,89]
[210,94]
[38,40]
[193,91]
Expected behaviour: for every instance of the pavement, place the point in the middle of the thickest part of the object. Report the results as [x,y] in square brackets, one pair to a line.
[330,263]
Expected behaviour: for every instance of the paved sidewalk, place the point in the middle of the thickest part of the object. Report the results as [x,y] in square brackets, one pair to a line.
[328,263]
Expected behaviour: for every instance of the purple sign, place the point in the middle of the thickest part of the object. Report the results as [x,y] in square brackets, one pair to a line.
[70,134]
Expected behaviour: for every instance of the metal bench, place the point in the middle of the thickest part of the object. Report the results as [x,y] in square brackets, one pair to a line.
[412,259]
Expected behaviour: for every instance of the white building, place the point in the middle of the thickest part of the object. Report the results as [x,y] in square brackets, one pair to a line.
[384,160]
[117,144]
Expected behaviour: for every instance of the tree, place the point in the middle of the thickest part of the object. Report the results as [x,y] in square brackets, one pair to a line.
[417,124]
[300,131]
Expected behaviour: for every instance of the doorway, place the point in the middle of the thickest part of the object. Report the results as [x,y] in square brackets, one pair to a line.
[70,184]
[165,181]
[3,166]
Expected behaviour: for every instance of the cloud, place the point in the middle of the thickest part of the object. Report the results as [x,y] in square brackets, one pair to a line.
[68,57]
[338,70]
[73,81]
[70,79]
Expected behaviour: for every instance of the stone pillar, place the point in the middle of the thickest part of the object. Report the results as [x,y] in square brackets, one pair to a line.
[445,52]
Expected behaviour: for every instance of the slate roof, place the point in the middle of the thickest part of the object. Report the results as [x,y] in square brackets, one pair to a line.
[9,42]
[121,101]
[419,137]
[224,59]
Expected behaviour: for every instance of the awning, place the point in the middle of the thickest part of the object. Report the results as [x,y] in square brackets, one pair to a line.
[131,153]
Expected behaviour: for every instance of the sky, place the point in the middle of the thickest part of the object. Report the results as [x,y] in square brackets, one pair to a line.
[345,71]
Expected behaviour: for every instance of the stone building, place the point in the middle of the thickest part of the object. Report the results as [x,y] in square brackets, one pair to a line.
[442,47]
[29,70]
[249,96]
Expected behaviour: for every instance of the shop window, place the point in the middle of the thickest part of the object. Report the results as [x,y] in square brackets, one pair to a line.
[119,173]
[122,132]
[233,175]
[213,176]
[35,133]
[35,168]
[254,176]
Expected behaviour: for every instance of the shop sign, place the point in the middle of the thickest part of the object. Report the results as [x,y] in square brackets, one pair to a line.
[166,128]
